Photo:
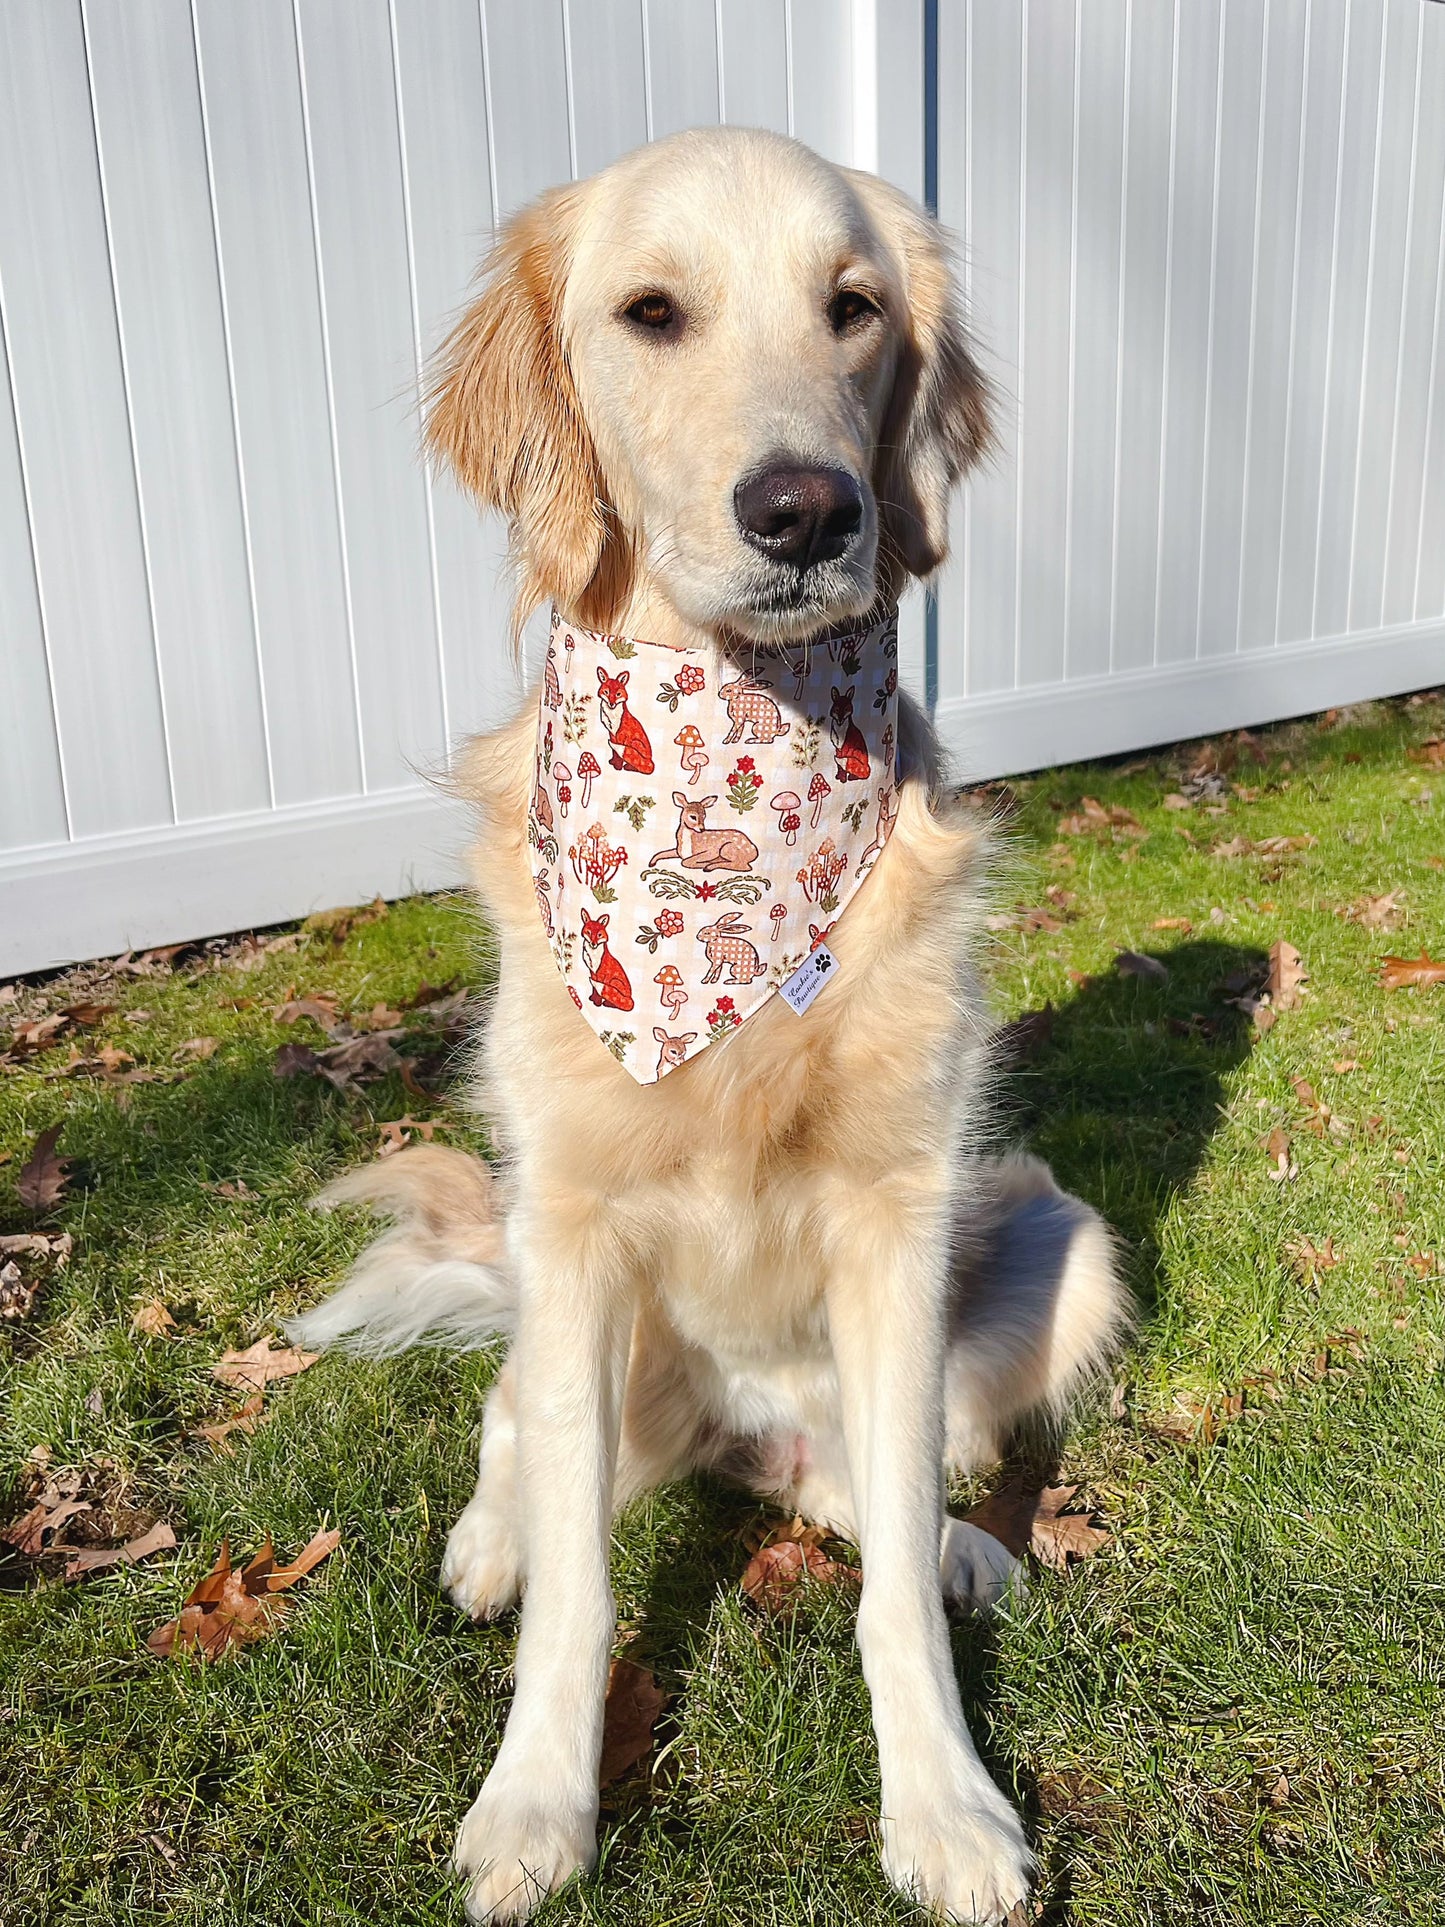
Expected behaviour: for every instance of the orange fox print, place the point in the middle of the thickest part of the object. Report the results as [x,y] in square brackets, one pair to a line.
[610,983]
[848,742]
[631,749]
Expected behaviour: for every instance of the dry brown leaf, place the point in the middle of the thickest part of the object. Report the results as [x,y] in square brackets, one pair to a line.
[100,1558]
[1175,801]
[152,1319]
[1375,913]
[1034,1520]
[198,1049]
[1129,963]
[1173,923]
[787,1556]
[38,1034]
[1287,976]
[1431,752]
[1400,973]
[57,1502]
[634,1701]
[342,1064]
[320,1009]
[413,1085]
[398,1132]
[246,1419]
[227,1609]
[87,1015]
[1310,1259]
[37,1248]
[339,924]
[1343,1065]
[1194,1421]
[255,1367]
[1277,1148]
[426,993]
[44,1174]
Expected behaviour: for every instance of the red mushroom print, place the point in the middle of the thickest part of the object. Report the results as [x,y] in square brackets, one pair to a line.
[817,790]
[694,749]
[777,917]
[787,805]
[562,777]
[673,994]
[587,767]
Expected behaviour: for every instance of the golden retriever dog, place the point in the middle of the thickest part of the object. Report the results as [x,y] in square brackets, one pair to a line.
[791,1258]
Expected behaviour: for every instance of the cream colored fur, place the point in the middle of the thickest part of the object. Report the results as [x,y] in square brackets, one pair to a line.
[791,1258]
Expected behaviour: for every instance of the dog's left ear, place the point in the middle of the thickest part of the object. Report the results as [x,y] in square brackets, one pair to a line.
[938,422]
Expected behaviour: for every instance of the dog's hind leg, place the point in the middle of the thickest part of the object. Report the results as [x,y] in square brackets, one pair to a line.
[1037,1307]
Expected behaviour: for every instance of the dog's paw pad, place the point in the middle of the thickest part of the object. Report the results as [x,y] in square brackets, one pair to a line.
[978,1572]
[481,1567]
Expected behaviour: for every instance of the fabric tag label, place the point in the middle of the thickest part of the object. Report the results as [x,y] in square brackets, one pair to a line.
[809,978]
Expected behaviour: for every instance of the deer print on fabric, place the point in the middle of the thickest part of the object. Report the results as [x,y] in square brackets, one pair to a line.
[751,707]
[724,942]
[754,871]
[631,748]
[610,984]
[699,848]
[849,743]
[674,1049]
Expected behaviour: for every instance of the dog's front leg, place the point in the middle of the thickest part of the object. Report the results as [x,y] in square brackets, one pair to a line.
[534,1823]
[949,1837]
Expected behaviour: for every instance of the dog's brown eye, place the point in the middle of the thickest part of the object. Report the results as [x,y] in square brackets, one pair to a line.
[652,311]
[848,308]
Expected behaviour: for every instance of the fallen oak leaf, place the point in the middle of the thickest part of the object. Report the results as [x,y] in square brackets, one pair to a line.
[45,1174]
[1401,973]
[33,1531]
[38,1034]
[88,1015]
[1287,976]
[1431,752]
[86,1559]
[1034,1520]
[227,1609]
[246,1419]
[152,1319]
[255,1367]
[413,1085]
[1173,923]
[634,1701]
[345,1063]
[1374,913]
[197,1049]
[788,1556]
[397,1132]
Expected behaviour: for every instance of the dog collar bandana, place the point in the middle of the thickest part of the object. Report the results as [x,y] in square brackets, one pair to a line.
[697,827]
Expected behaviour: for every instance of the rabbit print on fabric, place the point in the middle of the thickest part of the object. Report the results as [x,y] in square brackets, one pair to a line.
[697,827]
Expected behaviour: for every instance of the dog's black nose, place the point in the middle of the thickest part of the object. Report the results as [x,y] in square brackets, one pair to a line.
[799,515]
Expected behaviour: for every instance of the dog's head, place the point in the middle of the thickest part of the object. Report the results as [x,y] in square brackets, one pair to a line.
[724,371]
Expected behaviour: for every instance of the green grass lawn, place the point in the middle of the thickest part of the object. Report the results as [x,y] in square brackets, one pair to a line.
[1233,1714]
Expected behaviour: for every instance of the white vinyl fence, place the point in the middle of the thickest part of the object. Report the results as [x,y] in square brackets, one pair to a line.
[238,618]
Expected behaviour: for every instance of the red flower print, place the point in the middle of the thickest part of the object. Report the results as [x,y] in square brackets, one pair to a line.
[668,922]
[726,1003]
[746,762]
[706,890]
[690,679]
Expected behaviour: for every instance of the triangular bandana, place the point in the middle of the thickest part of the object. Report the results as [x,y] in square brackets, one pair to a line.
[696,826]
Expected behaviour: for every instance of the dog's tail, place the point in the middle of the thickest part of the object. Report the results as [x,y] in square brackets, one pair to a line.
[439,1276]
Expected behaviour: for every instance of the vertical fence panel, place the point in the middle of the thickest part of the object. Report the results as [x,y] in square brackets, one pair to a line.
[1276,265]
[261,191]
[986,205]
[32,792]
[605,35]
[1234,289]
[682,74]
[442,87]
[1043,454]
[820,77]
[753,63]
[354,146]
[1310,300]
[1421,303]
[1097,244]
[153,169]
[527,98]
[74,425]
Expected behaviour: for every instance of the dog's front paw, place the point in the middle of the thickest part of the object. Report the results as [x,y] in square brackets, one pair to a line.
[978,1571]
[965,1859]
[482,1565]
[514,1852]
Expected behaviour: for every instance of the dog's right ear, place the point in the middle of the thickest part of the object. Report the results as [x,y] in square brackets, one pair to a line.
[502,412]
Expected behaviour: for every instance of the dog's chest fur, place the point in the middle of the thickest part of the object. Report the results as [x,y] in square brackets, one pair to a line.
[730,1182]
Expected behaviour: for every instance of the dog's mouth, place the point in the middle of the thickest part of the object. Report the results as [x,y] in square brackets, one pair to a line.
[793,606]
